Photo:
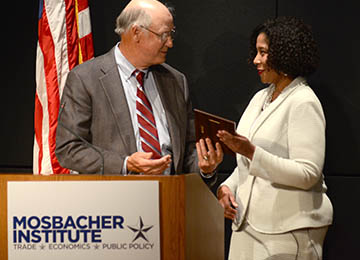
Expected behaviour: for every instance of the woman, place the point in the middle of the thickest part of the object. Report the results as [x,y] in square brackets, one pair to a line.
[276,194]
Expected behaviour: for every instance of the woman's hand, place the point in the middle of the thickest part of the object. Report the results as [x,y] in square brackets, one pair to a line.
[227,201]
[237,143]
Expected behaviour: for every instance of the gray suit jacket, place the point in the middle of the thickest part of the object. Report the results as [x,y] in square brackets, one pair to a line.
[95,108]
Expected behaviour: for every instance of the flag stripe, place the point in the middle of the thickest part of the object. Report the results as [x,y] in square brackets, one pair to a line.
[41,118]
[82,4]
[71,34]
[86,45]
[48,49]
[84,22]
[38,118]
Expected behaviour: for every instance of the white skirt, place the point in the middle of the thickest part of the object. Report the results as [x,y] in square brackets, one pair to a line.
[301,244]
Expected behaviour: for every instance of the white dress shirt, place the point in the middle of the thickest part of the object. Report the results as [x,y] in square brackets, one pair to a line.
[130,83]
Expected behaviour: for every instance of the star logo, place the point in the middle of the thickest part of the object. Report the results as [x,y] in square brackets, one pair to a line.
[42,247]
[140,230]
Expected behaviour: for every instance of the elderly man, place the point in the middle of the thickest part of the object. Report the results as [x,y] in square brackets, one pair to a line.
[127,111]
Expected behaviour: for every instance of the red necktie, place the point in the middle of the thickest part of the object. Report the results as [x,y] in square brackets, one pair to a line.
[147,127]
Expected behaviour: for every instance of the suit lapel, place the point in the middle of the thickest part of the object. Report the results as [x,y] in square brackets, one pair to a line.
[272,107]
[113,88]
[165,87]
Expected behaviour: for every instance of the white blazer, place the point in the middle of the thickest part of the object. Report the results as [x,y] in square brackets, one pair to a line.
[283,187]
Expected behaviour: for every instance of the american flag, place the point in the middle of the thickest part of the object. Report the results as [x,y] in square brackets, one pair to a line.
[64,41]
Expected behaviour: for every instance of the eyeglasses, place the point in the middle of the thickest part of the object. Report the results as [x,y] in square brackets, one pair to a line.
[164,36]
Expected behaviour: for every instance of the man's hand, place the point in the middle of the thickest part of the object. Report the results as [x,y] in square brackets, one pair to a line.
[142,163]
[209,158]
[227,201]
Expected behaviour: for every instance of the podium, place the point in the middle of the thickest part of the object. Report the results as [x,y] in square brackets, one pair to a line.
[191,219]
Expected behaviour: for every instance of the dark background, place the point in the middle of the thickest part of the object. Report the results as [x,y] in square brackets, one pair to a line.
[211,49]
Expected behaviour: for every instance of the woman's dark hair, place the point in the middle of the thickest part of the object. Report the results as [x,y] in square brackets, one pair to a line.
[292,47]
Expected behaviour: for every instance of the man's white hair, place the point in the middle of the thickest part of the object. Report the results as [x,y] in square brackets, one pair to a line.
[132,16]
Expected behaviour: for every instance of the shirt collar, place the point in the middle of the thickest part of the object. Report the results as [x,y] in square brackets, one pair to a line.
[125,66]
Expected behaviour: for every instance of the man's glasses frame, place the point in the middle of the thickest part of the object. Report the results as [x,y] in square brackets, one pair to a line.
[164,36]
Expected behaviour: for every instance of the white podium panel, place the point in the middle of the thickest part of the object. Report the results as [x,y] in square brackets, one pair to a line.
[83,220]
